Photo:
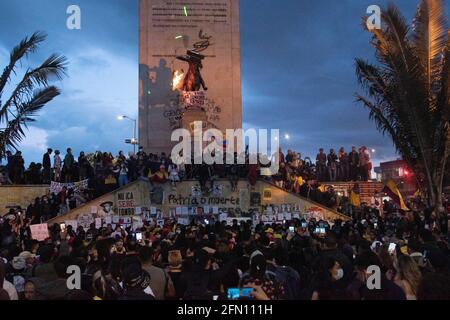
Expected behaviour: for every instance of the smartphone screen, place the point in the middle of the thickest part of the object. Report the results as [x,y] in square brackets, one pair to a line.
[139,236]
[246,292]
[322,230]
[304,225]
[63,227]
[392,247]
[233,293]
[291,229]
[317,230]
[236,293]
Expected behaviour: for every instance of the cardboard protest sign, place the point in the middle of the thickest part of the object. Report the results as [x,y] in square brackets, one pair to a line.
[85,220]
[39,232]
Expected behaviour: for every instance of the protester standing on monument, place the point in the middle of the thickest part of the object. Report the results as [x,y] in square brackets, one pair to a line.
[57,166]
[47,166]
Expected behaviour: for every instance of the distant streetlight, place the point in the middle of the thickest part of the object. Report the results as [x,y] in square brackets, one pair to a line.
[286,136]
[373,150]
[134,141]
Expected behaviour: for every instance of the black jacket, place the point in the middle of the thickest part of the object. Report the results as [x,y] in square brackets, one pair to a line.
[46,161]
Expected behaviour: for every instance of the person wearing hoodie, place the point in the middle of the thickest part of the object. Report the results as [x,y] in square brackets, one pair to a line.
[258,275]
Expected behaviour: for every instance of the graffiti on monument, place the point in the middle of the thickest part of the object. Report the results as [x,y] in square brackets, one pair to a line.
[204,42]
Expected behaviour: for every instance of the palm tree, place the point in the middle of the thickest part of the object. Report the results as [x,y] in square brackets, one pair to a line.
[408,91]
[30,95]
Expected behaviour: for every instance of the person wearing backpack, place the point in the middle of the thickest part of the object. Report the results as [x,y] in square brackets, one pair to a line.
[288,277]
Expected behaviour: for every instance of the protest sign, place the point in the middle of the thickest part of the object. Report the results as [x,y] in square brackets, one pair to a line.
[98,223]
[85,220]
[72,223]
[56,187]
[39,232]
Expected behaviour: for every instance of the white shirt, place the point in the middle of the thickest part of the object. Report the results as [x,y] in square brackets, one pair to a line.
[12,292]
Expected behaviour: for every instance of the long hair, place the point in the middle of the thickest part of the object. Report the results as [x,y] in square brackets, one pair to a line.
[409,271]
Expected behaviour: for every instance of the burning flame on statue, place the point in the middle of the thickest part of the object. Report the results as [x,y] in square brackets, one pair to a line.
[177,80]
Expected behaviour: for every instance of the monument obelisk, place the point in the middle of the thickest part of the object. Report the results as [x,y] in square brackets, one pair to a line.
[189,68]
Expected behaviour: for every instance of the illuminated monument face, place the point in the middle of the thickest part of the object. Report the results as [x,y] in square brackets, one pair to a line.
[189,68]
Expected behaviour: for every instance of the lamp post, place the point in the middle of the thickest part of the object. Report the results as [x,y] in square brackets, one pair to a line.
[134,142]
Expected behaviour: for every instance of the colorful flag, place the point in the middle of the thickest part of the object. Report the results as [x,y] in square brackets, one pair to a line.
[393,192]
[355,200]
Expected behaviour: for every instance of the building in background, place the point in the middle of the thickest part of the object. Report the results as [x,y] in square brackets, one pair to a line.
[399,172]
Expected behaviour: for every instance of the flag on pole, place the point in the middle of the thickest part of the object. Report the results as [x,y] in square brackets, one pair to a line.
[393,192]
[355,200]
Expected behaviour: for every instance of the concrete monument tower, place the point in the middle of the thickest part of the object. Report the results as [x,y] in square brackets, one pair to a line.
[189,68]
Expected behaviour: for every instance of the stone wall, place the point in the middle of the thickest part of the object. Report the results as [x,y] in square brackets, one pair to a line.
[23,196]
[141,196]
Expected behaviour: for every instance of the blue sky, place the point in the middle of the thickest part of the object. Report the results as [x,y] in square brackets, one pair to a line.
[297,63]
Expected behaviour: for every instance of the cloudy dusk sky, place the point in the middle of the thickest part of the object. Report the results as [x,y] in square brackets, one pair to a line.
[297,59]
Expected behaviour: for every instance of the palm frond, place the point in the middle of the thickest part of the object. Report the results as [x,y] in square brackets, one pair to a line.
[26,46]
[52,68]
[430,37]
[14,132]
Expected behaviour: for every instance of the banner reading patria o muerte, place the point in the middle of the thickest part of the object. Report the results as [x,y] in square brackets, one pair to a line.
[56,187]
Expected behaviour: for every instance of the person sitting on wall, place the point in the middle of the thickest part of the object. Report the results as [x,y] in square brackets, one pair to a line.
[159,176]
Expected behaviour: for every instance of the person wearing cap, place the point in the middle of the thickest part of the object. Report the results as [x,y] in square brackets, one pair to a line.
[106,208]
[135,282]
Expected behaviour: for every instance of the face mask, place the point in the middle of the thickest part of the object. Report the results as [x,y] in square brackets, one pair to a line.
[340,274]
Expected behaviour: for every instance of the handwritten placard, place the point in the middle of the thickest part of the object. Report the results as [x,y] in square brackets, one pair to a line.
[39,232]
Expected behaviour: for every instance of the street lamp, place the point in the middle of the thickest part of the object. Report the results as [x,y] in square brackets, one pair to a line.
[134,141]
[286,136]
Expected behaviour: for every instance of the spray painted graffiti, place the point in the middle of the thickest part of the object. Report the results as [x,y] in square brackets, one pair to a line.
[213,112]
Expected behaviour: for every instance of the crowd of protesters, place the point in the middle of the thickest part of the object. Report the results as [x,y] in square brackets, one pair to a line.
[300,259]
[354,166]
[106,173]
